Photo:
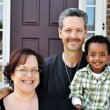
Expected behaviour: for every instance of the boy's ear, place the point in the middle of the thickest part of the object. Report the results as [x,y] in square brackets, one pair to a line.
[109,58]
[87,58]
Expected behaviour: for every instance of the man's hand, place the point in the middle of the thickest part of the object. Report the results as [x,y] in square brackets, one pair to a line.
[5,91]
[78,106]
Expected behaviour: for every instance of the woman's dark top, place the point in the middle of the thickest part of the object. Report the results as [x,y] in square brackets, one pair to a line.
[44,102]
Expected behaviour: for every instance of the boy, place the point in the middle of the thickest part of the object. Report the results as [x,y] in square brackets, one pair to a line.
[90,88]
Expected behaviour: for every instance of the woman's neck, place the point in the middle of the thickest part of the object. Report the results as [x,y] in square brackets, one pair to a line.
[24,96]
[21,102]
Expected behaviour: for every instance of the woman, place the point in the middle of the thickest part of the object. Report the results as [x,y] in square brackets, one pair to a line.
[23,73]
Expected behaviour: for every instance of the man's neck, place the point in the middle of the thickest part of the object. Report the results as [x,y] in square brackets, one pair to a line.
[71,59]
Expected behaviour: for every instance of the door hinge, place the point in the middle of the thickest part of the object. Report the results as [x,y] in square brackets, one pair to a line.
[103,26]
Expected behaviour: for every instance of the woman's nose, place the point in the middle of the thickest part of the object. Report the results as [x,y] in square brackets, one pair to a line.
[29,74]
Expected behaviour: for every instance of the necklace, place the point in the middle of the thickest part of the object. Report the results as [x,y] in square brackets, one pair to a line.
[76,68]
[17,108]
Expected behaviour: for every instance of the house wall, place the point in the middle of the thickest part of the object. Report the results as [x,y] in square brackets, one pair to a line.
[108,20]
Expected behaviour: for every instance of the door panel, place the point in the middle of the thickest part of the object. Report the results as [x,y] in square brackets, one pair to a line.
[34,24]
[30,15]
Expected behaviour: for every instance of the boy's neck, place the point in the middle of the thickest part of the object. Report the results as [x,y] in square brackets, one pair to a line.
[98,71]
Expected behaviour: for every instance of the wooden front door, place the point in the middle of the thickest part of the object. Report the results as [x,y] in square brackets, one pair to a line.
[34,24]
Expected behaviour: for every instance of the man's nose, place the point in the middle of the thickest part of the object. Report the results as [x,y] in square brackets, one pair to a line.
[73,34]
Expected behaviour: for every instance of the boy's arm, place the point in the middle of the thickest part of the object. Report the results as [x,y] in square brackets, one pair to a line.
[76,87]
[77,103]
[76,90]
[5,91]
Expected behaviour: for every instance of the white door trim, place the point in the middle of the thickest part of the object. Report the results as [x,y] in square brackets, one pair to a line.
[6,34]
[100,15]
[6,30]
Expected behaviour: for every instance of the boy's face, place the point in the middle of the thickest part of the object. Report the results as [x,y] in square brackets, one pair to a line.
[97,56]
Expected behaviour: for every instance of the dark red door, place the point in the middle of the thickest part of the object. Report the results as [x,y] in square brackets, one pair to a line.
[34,24]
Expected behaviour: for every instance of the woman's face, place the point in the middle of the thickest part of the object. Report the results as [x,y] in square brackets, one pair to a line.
[26,76]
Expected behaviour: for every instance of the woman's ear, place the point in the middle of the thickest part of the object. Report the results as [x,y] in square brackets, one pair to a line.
[12,77]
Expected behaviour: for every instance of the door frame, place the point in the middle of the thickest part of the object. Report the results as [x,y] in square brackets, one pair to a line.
[6,30]
[100,12]
[6,35]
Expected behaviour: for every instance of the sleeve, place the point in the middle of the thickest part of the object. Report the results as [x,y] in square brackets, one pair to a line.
[76,100]
[76,86]
[46,74]
[1,105]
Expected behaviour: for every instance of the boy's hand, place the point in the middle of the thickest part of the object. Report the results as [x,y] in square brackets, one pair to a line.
[78,106]
[5,91]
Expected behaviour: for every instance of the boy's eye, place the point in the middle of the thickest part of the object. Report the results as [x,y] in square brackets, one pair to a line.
[102,55]
[92,55]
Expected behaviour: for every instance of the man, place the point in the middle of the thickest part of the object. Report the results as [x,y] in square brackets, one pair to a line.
[60,68]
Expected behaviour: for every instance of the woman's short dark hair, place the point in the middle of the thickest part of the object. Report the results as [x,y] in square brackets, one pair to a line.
[19,56]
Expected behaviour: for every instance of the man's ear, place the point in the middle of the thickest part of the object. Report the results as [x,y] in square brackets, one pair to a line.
[59,31]
[86,32]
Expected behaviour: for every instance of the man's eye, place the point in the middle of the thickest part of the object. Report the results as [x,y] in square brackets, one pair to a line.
[67,30]
[79,30]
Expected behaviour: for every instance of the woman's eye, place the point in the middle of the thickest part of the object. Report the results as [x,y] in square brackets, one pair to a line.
[23,70]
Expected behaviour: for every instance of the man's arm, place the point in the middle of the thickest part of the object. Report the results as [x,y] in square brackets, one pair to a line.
[5,91]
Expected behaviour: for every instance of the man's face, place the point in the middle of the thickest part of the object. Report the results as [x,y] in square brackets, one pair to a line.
[73,33]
